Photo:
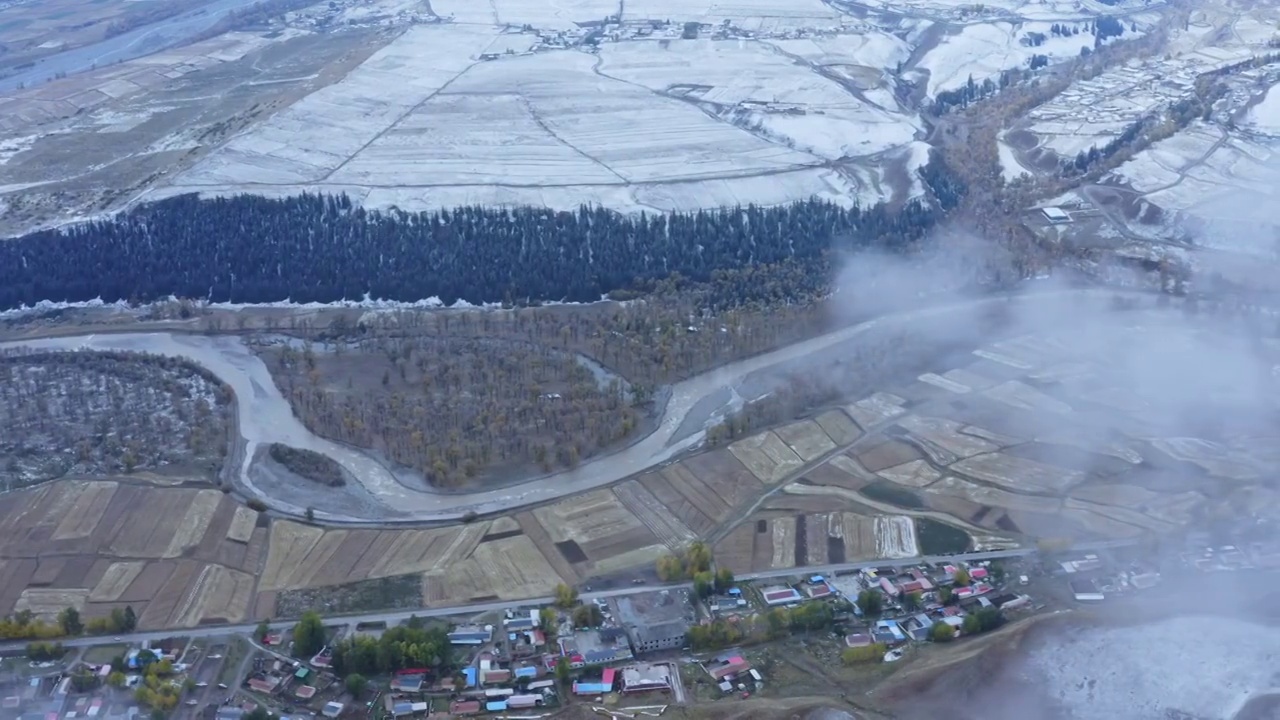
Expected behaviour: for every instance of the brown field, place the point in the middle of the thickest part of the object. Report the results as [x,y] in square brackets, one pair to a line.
[807,439]
[883,452]
[105,544]
[85,512]
[1018,473]
[194,522]
[506,523]
[749,548]
[876,409]
[663,523]
[916,473]
[587,518]
[218,595]
[767,457]
[301,556]
[838,427]
[703,490]
[841,471]
[995,497]
[783,541]
[46,603]
[242,524]
[1118,514]
[509,568]
[942,439]
[289,546]
[117,579]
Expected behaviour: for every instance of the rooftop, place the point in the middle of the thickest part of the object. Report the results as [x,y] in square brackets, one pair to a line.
[653,608]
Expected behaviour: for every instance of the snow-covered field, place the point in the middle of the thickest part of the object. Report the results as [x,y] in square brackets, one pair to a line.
[1094,111]
[759,88]
[984,50]
[1148,672]
[754,15]
[1264,118]
[1028,9]
[542,14]
[656,124]
[1010,168]
[1229,182]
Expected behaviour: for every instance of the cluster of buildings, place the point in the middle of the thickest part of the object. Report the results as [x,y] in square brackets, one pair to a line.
[514,665]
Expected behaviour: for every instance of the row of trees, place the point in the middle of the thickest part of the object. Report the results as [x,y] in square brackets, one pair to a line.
[771,625]
[25,625]
[312,248]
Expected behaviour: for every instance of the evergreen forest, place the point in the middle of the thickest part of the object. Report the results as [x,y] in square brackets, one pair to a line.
[314,248]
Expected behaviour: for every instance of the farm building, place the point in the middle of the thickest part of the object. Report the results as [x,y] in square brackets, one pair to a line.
[596,688]
[523,701]
[920,586]
[817,587]
[464,707]
[596,647]
[655,621]
[888,587]
[1086,590]
[521,621]
[408,681]
[782,595]
[1055,215]
[471,635]
[726,665]
[857,640]
[645,677]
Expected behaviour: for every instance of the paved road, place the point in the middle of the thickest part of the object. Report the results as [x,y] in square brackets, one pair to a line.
[266,416]
[398,616]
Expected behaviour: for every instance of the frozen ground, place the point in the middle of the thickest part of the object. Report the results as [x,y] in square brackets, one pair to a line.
[983,51]
[1227,183]
[1264,118]
[1029,9]
[1151,672]
[646,124]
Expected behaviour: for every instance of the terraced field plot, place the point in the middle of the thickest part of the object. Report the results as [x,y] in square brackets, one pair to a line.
[1038,439]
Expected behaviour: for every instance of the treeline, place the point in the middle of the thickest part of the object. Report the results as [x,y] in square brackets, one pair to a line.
[308,464]
[400,647]
[774,624]
[312,248]
[1163,122]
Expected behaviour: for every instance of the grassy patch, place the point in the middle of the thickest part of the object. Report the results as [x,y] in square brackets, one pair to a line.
[390,593]
[939,538]
[889,493]
[102,654]
[231,659]
[308,464]
[21,667]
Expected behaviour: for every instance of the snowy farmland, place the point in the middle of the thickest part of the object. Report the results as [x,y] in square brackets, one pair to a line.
[1227,183]
[756,87]
[983,51]
[646,124]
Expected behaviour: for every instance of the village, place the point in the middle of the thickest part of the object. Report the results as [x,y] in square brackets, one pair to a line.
[636,651]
